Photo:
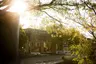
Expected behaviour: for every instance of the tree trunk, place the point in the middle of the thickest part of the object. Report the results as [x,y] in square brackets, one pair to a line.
[9,38]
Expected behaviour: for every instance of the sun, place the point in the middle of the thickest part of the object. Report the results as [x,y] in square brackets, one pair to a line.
[26,18]
[18,6]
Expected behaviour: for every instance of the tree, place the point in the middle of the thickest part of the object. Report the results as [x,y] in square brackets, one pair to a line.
[77,43]
[64,7]
[23,40]
[77,7]
[61,5]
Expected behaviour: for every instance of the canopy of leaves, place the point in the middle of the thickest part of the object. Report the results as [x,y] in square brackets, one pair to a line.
[77,43]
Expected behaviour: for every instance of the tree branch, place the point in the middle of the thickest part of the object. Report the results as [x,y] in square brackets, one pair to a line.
[90,7]
[92,32]
[6,3]
[52,17]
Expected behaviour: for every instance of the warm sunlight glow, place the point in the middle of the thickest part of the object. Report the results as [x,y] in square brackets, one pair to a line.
[30,21]
[19,6]
[45,1]
[26,19]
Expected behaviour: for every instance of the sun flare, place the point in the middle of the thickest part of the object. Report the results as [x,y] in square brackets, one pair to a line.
[18,6]
[26,18]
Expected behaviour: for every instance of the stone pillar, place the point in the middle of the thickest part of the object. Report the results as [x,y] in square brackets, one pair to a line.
[9,38]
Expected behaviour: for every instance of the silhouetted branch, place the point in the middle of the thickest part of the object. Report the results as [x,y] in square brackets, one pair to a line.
[90,7]
[7,3]
[52,17]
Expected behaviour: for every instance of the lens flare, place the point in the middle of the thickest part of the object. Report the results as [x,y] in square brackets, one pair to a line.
[18,6]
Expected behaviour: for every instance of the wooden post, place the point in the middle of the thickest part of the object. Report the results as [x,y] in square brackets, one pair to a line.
[9,38]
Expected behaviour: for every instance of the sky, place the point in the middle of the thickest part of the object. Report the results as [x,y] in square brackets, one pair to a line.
[29,19]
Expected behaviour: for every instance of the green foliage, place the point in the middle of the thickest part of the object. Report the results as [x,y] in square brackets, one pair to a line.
[23,39]
[78,44]
[82,50]
[66,34]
